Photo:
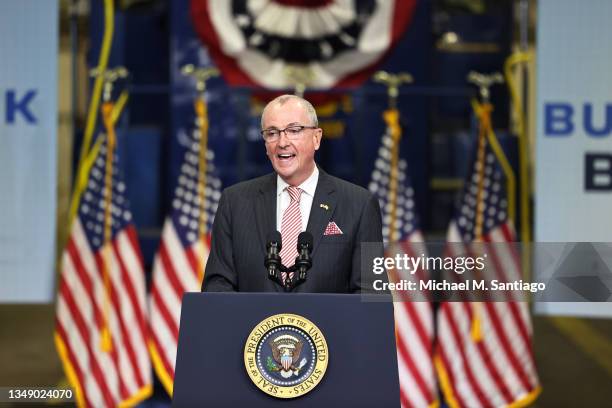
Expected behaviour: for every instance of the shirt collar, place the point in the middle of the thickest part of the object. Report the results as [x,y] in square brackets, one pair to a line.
[308,186]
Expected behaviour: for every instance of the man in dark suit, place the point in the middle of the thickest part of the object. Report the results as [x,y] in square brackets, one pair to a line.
[298,196]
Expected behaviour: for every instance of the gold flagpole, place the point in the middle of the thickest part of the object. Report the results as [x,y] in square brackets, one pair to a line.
[201,75]
[485,128]
[110,113]
[391,117]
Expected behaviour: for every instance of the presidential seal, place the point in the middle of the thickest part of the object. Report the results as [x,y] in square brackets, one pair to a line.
[286,355]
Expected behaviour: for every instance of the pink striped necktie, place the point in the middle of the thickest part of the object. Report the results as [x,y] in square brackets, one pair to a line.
[291,226]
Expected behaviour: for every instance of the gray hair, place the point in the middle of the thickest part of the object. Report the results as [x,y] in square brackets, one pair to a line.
[281,100]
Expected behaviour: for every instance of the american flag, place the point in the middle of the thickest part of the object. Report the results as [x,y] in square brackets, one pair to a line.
[102,290]
[413,319]
[182,254]
[497,367]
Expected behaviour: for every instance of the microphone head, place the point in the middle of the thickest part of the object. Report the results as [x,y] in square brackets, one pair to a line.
[274,237]
[305,238]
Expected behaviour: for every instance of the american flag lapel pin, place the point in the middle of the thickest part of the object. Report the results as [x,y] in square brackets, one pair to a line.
[324,206]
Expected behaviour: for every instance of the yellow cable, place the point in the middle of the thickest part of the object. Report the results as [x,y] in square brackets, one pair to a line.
[119,106]
[513,60]
[524,158]
[508,172]
[92,113]
[83,174]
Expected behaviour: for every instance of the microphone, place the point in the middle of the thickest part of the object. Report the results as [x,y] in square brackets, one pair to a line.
[272,261]
[303,262]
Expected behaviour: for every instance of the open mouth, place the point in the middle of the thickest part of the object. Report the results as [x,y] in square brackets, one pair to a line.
[285,156]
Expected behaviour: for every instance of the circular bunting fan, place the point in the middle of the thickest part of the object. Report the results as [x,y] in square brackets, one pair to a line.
[324,43]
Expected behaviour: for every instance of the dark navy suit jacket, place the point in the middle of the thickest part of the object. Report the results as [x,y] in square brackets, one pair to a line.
[247,213]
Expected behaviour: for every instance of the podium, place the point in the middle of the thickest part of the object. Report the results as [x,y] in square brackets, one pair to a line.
[211,364]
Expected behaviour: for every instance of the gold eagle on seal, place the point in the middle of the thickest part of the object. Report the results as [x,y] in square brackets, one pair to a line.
[286,351]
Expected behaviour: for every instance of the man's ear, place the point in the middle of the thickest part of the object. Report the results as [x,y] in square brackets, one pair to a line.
[317,138]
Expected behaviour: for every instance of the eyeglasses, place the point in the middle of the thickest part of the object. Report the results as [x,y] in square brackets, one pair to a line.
[292,132]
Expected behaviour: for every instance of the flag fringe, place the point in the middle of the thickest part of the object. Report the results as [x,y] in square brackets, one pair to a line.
[452,402]
[528,399]
[69,370]
[163,375]
[445,383]
[139,396]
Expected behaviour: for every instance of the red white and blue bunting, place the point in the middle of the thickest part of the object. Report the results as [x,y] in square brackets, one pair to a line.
[339,42]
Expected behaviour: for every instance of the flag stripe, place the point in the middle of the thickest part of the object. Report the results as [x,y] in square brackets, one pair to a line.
[79,349]
[520,318]
[77,276]
[117,365]
[484,370]
[130,231]
[455,368]
[490,369]
[425,330]
[124,304]
[524,322]
[451,320]
[171,278]
[521,314]
[410,393]
[515,376]
[413,311]
[85,383]
[409,362]
[508,357]
[131,257]
[485,346]
[84,332]
[130,261]
[121,345]
[165,313]
[412,318]
[453,383]
[193,260]
[179,263]
[198,252]
[168,299]
[163,354]
[102,292]
[514,323]
[165,344]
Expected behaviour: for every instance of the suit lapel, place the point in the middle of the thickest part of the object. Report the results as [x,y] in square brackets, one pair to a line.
[323,207]
[265,208]
[265,215]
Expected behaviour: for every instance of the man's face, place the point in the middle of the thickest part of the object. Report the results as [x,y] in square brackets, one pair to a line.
[293,160]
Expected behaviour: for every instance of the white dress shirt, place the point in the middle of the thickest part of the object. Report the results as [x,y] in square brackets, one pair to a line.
[283,199]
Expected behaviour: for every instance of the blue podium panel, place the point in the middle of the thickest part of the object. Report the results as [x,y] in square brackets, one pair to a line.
[210,371]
